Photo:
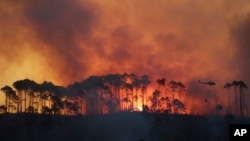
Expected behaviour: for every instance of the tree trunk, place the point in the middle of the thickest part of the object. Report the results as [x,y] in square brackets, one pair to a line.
[241,106]
[6,102]
[236,103]
[229,110]
[25,94]
[136,94]
[173,95]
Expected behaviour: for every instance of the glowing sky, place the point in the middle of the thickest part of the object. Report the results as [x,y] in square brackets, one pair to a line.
[67,40]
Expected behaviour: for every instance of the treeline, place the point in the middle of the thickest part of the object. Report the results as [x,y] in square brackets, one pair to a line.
[108,94]
[94,95]
[239,98]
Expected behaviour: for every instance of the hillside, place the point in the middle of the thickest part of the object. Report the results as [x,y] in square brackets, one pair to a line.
[113,127]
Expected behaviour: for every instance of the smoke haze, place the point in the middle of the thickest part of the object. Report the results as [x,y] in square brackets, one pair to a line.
[66,41]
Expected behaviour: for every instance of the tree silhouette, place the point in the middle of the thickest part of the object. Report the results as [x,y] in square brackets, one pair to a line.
[57,105]
[174,86]
[127,89]
[144,82]
[114,82]
[228,85]
[155,100]
[18,85]
[10,94]
[242,87]
[76,90]
[3,109]
[161,85]
[25,86]
[137,84]
[129,94]
[7,90]
[235,84]
[33,92]
[92,85]
[93,95]
[181,88]
[178,106]
[143,96]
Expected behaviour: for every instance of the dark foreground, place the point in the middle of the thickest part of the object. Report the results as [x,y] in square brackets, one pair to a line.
[114,127]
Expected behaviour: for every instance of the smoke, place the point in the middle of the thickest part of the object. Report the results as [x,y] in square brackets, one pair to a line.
[66,41]
[241,35]
[200,98]
[64,27]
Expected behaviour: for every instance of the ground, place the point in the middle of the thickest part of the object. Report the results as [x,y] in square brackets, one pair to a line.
[124,126]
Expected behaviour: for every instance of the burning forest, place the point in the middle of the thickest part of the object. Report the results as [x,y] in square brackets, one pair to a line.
[67,58]
[175,43]
[112,93]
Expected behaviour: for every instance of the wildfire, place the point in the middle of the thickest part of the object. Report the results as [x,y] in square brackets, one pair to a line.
[68,41]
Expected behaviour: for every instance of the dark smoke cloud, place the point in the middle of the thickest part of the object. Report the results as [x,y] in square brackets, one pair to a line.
[64,27]
[241,37]
[125,41]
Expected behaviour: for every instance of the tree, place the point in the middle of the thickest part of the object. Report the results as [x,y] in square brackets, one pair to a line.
[228,85]
[57,105]
[161,85]
[143,96]
[136,84]
[10,94]
[18,85]
[76,90]
[33,92]
[181,88]
[92,85]
[235,84]
[144,83]
[173,85]
[3,109]
[46,91]
[25,86]
[155,100]
[129,96]
[242,87]
[6,89]
[115,82]
[178,105]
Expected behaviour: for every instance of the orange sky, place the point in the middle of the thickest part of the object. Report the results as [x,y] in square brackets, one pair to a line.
[65,41]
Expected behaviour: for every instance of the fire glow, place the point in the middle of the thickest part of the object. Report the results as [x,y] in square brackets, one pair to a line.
[65,42]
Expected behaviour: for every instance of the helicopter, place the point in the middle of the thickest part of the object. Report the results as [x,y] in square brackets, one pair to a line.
[208,83]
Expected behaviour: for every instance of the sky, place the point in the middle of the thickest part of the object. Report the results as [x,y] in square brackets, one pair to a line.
[64,41]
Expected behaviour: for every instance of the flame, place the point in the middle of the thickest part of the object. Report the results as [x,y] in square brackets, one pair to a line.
[139,108]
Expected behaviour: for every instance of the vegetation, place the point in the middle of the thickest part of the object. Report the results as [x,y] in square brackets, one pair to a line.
[107,94]
[45,111]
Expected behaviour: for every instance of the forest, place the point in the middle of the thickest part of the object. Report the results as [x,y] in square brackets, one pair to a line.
[110,94]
